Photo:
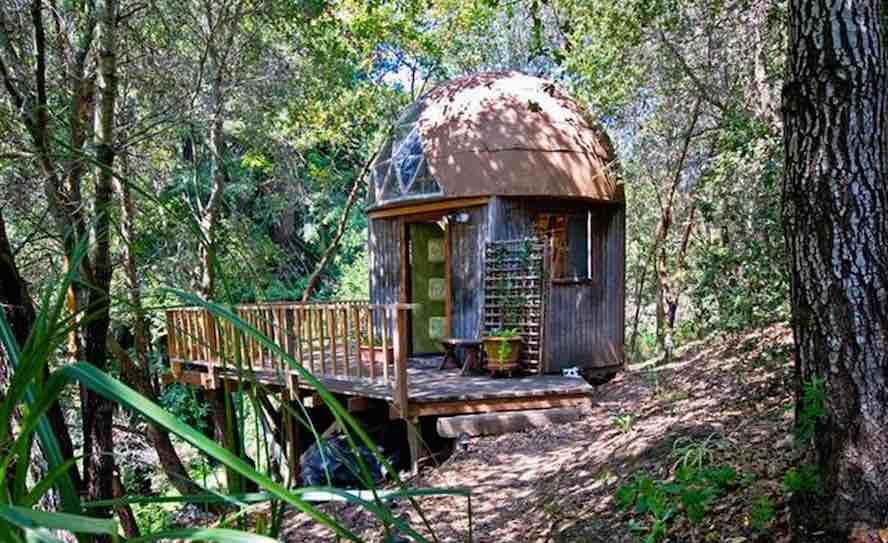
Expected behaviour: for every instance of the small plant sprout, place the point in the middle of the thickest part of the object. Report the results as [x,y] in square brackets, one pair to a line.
[625,422]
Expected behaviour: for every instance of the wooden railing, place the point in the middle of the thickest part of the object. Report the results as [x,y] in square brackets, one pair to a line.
[351,341]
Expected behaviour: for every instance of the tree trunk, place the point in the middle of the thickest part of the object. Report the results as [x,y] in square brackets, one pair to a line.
[639,290]
[667,292]
[98,412]
[209,219]
[836,228]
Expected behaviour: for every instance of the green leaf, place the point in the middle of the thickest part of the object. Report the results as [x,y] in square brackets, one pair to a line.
[217,535]
[24,517]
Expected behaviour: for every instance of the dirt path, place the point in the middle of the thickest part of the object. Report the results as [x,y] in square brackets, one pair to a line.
[557,483]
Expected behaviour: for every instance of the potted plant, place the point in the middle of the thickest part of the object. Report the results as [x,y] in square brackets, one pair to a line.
[502,348]
[380,353]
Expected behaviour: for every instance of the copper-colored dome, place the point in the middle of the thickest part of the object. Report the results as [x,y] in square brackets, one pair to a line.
[499,133]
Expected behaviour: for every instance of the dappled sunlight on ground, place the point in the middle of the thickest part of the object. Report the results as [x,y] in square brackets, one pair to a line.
[556,483]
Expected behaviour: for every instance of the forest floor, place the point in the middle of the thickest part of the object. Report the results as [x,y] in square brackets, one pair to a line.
[729,397]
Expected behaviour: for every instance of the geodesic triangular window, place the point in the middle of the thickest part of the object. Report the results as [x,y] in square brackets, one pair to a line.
[401,169]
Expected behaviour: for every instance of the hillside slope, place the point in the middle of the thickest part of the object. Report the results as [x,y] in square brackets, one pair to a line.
[729,398]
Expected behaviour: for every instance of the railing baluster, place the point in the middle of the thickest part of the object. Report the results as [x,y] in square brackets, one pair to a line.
[331,326]
[384,322]
[322,346]
[173,335]
[297,326]
[309,336]
[345,348]
[192,354]
[371,342]
[356,322]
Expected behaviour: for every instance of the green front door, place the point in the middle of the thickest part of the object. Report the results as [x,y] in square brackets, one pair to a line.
[427,286]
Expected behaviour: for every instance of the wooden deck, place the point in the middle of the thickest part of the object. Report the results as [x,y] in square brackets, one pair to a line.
[434,391]
[331,341]
[327,339]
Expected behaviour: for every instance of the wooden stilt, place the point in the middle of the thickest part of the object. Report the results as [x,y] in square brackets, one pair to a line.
[414,439]
[291,436]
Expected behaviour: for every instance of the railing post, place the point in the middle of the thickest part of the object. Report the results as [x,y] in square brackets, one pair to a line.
[212,347]
[173,343]
[401,394]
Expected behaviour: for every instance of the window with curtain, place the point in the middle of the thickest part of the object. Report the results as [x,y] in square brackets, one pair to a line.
[568,236]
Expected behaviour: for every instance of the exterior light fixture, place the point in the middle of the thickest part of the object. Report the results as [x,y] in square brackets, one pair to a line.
[463,442]
[460,218]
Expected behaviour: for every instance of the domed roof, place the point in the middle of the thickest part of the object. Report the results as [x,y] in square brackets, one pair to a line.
[487,134]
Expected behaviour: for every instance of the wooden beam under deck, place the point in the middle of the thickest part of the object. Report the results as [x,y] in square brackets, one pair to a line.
[463,407]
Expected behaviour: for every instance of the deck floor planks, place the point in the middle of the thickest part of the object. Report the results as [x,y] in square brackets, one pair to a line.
[429,384]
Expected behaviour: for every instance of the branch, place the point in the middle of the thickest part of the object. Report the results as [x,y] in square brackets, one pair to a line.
[705,91]
[340,230]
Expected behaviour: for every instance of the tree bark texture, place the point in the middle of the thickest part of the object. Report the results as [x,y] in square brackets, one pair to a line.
[98,412]
[836,229]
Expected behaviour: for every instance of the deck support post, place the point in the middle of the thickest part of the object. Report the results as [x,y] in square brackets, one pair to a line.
[414,442]
[401,396]
[291,435]
[225,418]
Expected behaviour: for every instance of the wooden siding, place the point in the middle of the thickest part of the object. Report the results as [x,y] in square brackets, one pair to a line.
[585,320]
[584,323]
[467,265]
[510,218]
[385,261]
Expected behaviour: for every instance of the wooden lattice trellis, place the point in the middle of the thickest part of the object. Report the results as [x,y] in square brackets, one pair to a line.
[514,272]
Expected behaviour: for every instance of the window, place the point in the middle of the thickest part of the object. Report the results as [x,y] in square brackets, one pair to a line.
[569,240]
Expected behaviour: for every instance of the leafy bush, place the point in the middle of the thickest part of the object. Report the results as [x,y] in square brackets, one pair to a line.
[762,513]
[813,409]
[690,492]
[184,403]
[803,479]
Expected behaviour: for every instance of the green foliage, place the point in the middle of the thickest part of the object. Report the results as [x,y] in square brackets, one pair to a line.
[762,513]
[813,408]
[504,333]
[656,503]
[739,276]
[803,479]
[694,454]
[184,403]
[32,390]
[625,422]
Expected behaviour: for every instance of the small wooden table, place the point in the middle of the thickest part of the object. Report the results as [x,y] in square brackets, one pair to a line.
[473,353]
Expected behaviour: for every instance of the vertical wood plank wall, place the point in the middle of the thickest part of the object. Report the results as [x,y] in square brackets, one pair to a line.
[584,322]
[467,268]
[385,261]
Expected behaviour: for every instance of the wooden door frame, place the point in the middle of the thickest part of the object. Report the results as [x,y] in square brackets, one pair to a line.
[405,280]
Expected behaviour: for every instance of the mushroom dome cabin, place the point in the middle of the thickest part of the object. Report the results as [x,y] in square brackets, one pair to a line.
[494,204]
[502,134]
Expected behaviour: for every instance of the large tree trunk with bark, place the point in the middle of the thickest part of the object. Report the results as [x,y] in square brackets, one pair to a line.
[98,412]
[836,227]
